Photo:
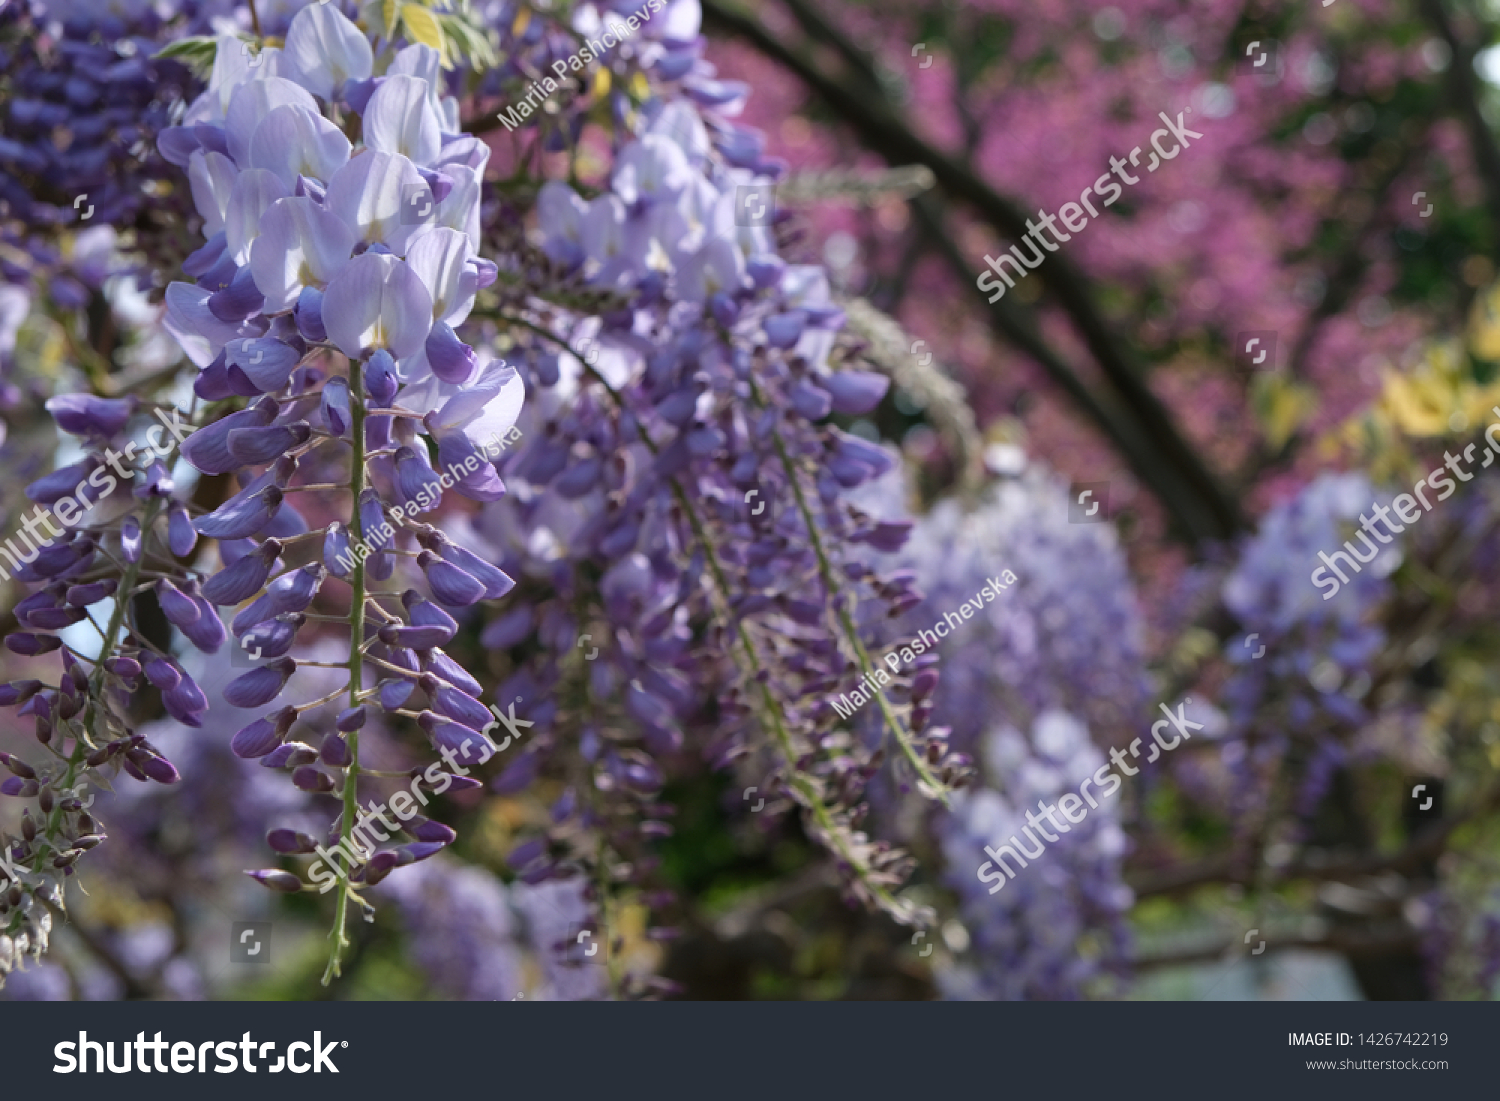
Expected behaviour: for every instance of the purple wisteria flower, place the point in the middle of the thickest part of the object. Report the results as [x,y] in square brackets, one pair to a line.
[340,209]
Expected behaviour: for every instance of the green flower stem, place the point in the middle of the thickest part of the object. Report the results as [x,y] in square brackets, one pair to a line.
[337,940]
[846,622]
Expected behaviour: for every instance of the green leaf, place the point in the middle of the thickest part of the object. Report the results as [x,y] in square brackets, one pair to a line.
[197,53]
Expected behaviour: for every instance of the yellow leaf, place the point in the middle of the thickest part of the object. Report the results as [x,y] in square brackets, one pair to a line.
[1281,407]
[640,87]
[388,16]
[601,83]
[422,26]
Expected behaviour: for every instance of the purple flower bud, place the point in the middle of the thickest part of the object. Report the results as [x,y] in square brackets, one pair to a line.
[813,402]
[277,880]
[294,591]
[179,609]
[123,667]
[130,539]
[335,752]
[160,769]
[54,619]
[242,515]
[784,329]
[212,383]
[336,406]
[547,367]
[450,585]
[187,697]
[263,736]
[206,633]
[289,755]
[450,358]
[381,865]
[765,270]
[258,611]
[855,461]
[395,693]
[308,313]
[17,766]
[308,778]
[51,488]
[337,556]
[23,642]
[291,842]
[923,684]
[181,537]
[466,745]
[855,392]
[259,686]
[208,448]
[380,379]
[431,626]
[237,301]
[421,850]
[724,309]
[416,479]
[14,785]
[351,718]
[18,691]
[456,705]
[87,415]
[46,598]
[257,446]
[445,668]
[376,530]
[243,578]
[425,829]
[526,852]
[163,674]
[496,581]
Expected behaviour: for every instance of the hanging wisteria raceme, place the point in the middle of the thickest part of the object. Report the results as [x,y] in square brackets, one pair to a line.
[102,530]
[323,251]
[1026,932]
[678,500]
[1318,657]
[87,71]
[1052,634]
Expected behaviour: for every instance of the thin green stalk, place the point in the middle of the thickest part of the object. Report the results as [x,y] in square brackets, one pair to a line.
[336,937]
[802,784]
[846,621]
[82,746]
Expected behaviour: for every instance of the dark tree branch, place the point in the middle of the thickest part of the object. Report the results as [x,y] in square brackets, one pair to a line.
[1019,327]
[1463,86]
[1210,512]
